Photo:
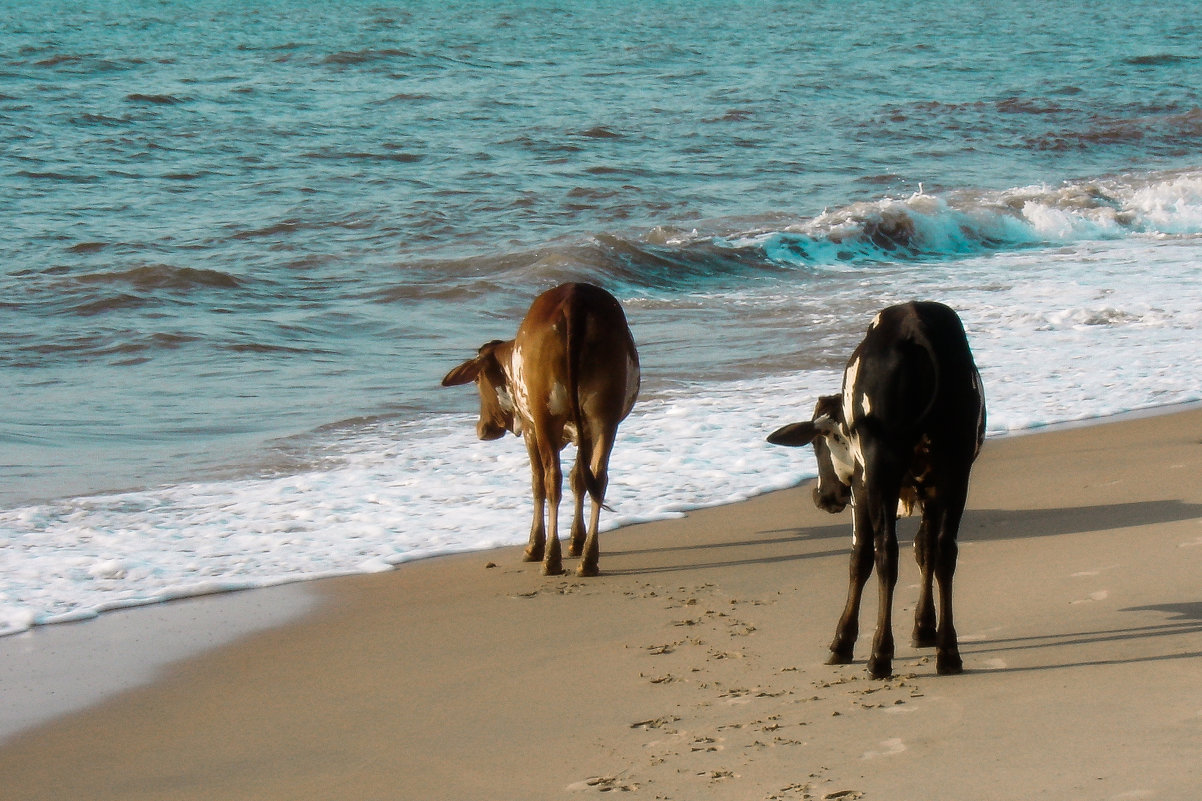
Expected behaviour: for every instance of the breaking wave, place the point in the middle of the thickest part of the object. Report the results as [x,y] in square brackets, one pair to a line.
[923,227]
[927,227]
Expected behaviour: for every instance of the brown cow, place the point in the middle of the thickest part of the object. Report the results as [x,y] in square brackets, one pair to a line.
[570,375]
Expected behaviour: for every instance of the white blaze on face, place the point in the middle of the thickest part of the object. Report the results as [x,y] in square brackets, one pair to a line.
[839,447]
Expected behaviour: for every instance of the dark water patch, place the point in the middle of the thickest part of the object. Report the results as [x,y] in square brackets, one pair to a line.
[1159,59]
[60,59]
[1026,105]
[268,348]
[88,247]
[163,276]
[66,177]
[599,132]
[275,229]
[366,56]
[91,118]
[733,115]
[542,146]
[105,305]
[122,344]
[329,155]
[406,97]
[591,193]
[1175,132]
[157,100]
[88,63]
[884,179]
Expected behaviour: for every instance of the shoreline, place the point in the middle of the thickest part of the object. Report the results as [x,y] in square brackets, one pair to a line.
[84,616]
[692,668]
[55,670]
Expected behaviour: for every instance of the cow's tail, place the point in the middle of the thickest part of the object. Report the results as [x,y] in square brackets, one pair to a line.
[576,322]
[933,360]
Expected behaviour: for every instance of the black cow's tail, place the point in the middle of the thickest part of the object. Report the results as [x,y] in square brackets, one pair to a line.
[576,324]
[928,351]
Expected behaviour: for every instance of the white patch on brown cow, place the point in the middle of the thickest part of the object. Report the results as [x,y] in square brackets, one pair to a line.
[505,399]
[557,400]
[517,384]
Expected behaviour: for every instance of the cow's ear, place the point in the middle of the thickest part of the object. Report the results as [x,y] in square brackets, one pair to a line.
[463,374]
[795,434]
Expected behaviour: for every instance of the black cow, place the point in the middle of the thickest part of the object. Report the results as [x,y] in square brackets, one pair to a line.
[903,435]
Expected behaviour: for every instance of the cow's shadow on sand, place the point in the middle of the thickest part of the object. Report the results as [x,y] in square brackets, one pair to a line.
[995,524]
[979,525]
[1184,619]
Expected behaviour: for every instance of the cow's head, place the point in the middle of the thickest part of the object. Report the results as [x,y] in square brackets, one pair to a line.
[832,448]
[496,401]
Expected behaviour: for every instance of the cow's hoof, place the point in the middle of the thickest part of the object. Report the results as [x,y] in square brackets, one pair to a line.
[575,550]
[533,555]
[587,571]
[949,664]
[837,658]
[923,639]
[880,668]
[553,569]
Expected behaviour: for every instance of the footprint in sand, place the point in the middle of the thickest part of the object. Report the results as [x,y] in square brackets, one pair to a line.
[1097,571]
[889,747]
[1100,595]
[603,784]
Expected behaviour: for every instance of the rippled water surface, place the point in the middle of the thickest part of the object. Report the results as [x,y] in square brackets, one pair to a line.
[243,242]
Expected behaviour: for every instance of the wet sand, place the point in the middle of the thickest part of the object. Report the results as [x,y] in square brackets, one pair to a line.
[693,668]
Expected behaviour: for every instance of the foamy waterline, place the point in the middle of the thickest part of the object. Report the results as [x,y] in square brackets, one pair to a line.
[400,492]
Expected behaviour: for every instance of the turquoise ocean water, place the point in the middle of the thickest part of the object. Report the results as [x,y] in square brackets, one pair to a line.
[242,242]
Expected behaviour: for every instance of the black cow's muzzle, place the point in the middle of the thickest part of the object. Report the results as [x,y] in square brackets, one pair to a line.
[833,502]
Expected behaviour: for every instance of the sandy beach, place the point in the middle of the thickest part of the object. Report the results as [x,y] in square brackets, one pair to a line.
[693,667]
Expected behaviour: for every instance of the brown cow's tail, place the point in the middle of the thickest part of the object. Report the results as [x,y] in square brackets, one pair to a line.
[575,325]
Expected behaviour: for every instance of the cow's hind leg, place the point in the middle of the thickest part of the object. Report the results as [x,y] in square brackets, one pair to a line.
[590,562]
[947,648]
[880,662]
[876,515]
[536,547]
[848,628]
[925,549]
[576,545]
[553,482]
